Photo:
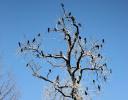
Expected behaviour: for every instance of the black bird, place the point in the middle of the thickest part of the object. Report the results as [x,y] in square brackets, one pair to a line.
[49,70]
[99,88]
[97,46]
[27,65]
[63,30]
[80,37]
[102,40]
[33,40]
[62,19]
[19,44]
[38,35]
[85,40]
[48,29]
[62,4]
[79,24]
[57,79]
[105,78]
[21,50]
[104,64]
[61,53]
[99,55]
[59,22]
[28,42]
[69,14]
[86,93]
[93,81]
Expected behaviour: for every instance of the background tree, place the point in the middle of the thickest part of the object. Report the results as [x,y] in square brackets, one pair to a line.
[75,71]
[8,90]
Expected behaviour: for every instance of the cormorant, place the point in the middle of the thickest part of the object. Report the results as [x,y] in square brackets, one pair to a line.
[62,4]
[103,40]
[38,35]
[80,37]
[69,14]
[86,93]
[19,44]
[33,40]
[48,29]
[28,42]
[99,88]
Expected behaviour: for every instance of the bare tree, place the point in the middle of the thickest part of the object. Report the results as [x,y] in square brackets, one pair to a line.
[75,71]
[8,89]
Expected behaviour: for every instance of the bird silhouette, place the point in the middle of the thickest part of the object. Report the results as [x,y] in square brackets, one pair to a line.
[86,93]
[93,81]
[48,29]
[102,40]
[105,78]
[61,53]
[99,55]
[80,37]
[28,42]
[85,40]
[49,70]
[97,46]
[99,87]
[33,40]
[104,64]
[27,65]
[79,24]
[62,19]
[57,78]
[69,14]
[19,44]
[21,50]
[59,23]
[62,4]
[38,35]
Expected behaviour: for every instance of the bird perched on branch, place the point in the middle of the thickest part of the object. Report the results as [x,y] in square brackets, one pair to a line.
[86,93]
[57,79]
[102,40]
[69,14]
[62,4]
[38,35]
[19,44]
[33,40]
[28,42]
[48,29]
[99,87]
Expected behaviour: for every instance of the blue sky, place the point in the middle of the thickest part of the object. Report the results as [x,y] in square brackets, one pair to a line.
[99,18]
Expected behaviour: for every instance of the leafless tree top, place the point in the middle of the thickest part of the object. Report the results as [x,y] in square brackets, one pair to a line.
[81,61]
